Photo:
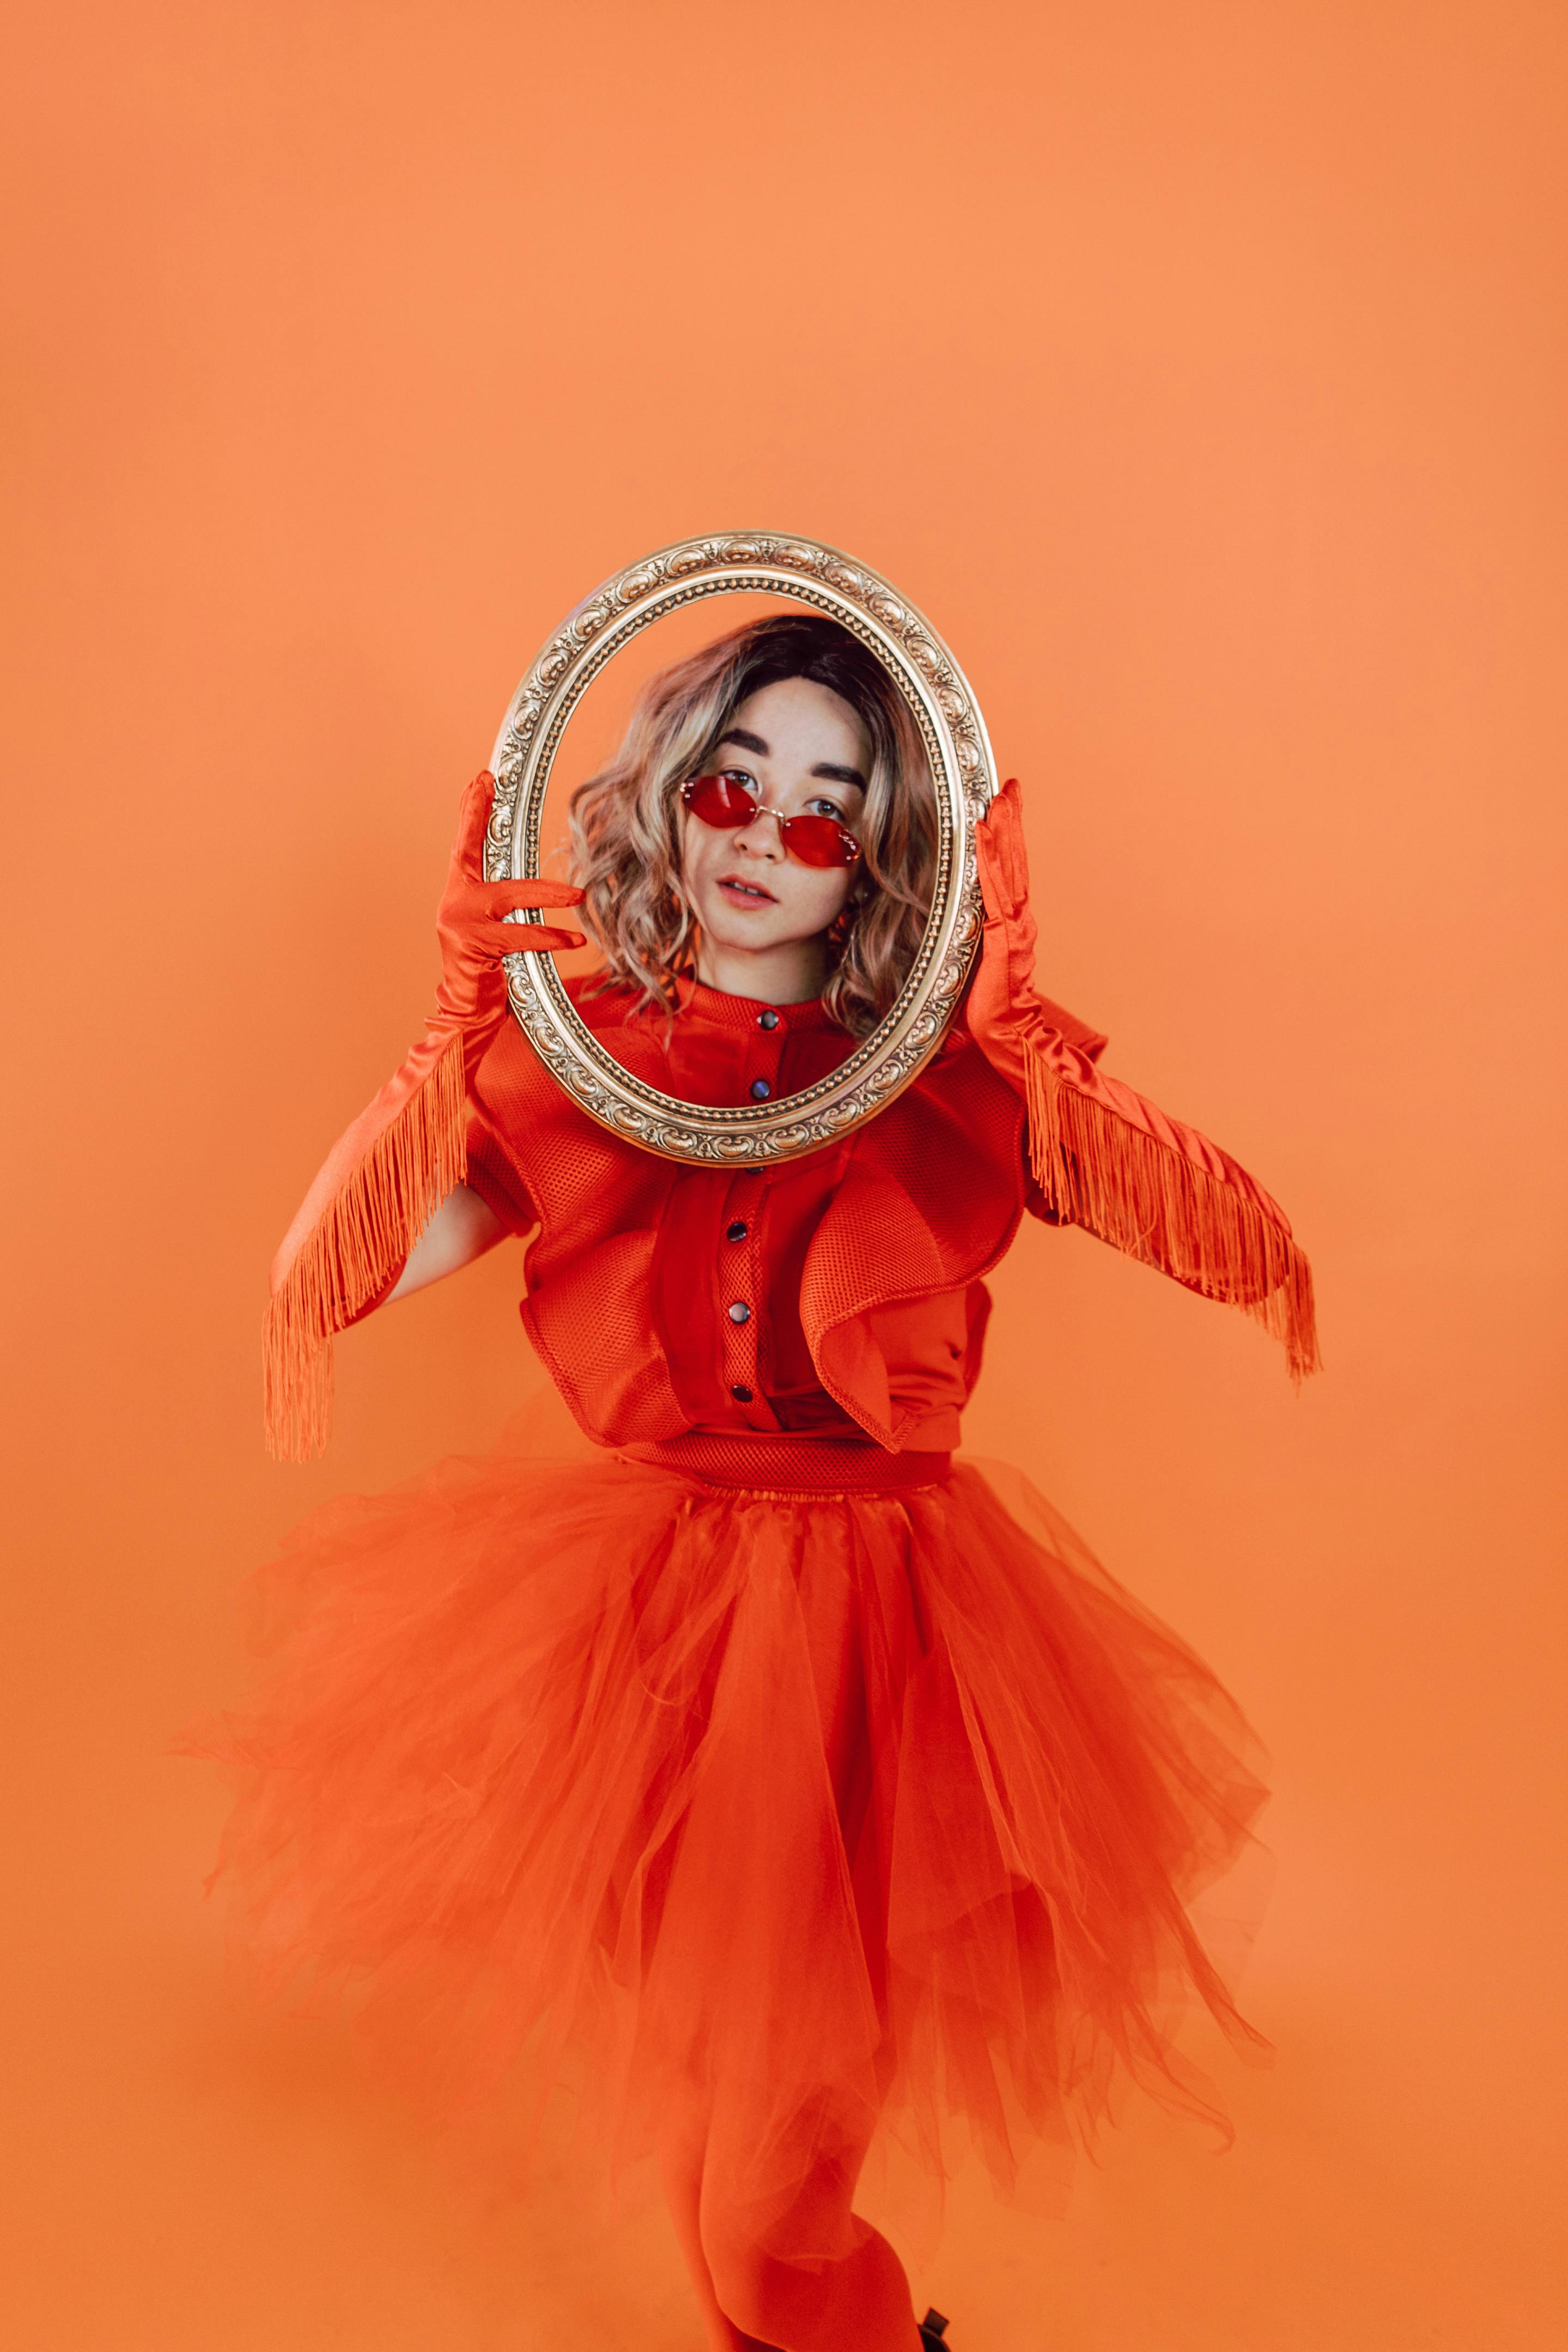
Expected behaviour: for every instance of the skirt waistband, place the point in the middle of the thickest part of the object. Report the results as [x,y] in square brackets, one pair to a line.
[790,1464]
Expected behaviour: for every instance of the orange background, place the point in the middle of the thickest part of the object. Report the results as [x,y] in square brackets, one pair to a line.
[1200,370]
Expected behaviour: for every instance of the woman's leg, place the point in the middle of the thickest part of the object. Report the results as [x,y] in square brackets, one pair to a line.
[856,2298]
[755,2298]
[682,2172]
[857,2301]
[769,2284]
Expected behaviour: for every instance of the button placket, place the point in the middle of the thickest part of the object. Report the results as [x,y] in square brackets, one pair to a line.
[769,1032]
[741,1300]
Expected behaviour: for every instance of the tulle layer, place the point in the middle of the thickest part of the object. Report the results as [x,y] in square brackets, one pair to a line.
[788,1812]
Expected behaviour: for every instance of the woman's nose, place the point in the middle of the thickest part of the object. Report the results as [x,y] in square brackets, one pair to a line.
[762,836]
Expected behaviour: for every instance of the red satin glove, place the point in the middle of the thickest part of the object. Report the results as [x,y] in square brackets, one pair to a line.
[389,1172]
[472,993]
[1106,1158]
[1004,1007]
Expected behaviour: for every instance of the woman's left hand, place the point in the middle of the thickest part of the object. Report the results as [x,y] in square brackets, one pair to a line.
[469,920]
[1003,1004]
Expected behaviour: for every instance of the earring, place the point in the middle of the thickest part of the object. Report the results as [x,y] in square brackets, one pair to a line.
[843,923]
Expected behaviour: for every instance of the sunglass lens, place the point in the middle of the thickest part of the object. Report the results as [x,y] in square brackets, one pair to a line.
[818,841]
[720,803]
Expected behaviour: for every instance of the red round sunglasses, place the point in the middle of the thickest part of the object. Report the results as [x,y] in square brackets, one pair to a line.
[814,840]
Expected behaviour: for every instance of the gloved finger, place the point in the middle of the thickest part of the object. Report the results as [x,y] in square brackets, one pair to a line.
[500,897]
[480,934]
[994,890]
[473,816]
[528,938]
[1001,854]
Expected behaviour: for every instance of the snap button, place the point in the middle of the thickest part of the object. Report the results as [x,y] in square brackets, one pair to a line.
[739,1312]
[768,1019]
[740,1395]
[737,1232]
[761,1090]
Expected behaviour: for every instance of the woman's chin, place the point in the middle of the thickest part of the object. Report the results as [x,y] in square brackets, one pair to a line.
[784,966]
[743,932]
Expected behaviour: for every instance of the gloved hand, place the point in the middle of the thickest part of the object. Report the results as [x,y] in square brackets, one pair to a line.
[1004,1007]
[1106,1158]
[387,1176]
[471,991]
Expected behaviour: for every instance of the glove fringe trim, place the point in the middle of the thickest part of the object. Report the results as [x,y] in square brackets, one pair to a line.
[356,1252]
[1132,1190]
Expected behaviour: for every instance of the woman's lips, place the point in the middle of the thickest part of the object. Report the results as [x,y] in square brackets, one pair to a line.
[744,894]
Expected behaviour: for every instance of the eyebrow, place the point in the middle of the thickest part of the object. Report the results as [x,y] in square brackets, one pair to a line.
[823,768]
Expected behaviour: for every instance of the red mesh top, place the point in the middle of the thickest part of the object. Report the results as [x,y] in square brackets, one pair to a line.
[710,1265]
[840,1295]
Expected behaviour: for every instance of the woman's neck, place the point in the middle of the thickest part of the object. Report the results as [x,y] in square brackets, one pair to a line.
[792,973]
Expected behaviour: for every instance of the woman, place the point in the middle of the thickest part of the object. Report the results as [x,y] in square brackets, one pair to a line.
[767,1759]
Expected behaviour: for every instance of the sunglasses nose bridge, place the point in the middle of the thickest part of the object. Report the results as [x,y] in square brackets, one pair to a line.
[775,840]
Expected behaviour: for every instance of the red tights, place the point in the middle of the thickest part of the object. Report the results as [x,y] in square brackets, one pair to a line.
[752,2301]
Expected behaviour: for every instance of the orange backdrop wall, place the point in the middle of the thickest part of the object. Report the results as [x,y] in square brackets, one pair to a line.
[1199,368]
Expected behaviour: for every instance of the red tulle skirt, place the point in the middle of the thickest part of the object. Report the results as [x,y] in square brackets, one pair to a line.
[766,1815]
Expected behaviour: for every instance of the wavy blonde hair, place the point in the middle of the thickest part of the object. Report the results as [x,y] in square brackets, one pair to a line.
[627,821]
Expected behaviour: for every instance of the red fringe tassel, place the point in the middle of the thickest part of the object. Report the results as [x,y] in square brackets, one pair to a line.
[1094,1169]
[356,1250]
[1137,1193]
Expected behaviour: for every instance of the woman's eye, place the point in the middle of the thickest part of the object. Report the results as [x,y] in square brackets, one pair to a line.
[822,806]
[739,776]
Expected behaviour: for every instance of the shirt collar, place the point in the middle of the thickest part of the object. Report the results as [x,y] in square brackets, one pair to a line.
[713,1007]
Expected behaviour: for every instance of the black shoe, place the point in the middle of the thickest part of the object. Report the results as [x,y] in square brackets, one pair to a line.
[934,2327]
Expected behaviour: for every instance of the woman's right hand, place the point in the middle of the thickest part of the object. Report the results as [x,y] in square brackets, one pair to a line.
[469,921]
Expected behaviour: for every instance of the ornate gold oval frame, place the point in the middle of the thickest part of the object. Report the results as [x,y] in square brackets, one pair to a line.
[945,711]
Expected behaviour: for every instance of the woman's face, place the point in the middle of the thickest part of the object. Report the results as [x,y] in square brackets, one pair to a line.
[800,749]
